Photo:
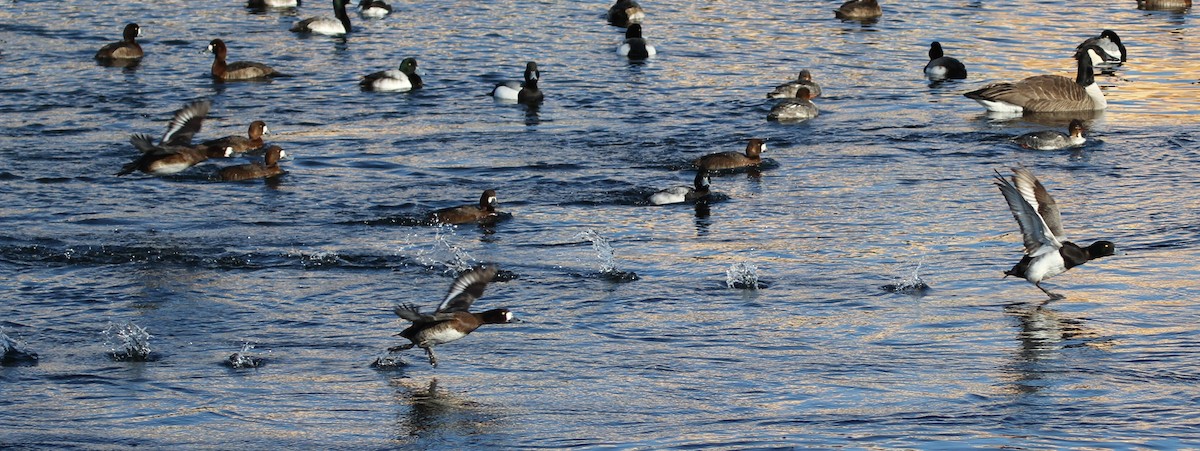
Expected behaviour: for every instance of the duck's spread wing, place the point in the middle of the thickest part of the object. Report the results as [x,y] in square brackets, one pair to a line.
[1036,195]
[413,313]
[1033,228]
[185,124]
[467,288]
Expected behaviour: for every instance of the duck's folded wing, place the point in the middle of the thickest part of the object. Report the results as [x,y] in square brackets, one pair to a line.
[467,288]
[1036,195]
[185,124]
[1033,228]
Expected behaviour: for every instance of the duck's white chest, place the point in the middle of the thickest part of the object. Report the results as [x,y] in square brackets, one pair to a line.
[1045,267]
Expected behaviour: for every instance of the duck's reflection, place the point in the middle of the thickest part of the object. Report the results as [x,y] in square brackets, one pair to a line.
[1043,334]
[429,416]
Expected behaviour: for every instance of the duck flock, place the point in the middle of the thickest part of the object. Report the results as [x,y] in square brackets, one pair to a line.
[1047,251]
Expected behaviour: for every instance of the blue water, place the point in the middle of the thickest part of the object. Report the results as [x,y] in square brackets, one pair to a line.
[302,272]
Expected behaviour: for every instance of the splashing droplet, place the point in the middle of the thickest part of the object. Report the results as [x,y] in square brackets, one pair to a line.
[604,252]
[128,342]
[743,276]
[14,353]
[911,285]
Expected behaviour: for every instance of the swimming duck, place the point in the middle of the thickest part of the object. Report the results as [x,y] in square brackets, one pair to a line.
[942,67]
[126,49]
[858,10]
[1047,252]
[681,194]
[1053,140]
[403,79]
[1164,5]
[263,4]
[798,108]
[452,320]
[241,70]
[268,168]
[462,214]
[373,9]
[339,25]
[1046,93]
[1112,51]
[241,144]
[624,13]
[174,152]
[732,159]
[635,46]
[788,90]
[525,93]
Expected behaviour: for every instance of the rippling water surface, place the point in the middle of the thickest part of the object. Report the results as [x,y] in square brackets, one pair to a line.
[839,347]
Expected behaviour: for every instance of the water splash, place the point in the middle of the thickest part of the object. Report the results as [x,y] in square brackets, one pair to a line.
[911,285]
[242,359]
[604,252]
[15,353]
[442,253]
[387,361]
[128,342]
[743,276]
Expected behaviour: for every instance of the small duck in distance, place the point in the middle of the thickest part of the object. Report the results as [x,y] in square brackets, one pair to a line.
[683,194]
[733,160]
[526,93]
[788,90]
[1052,139]
[859,10]
[624,13]
[941,67]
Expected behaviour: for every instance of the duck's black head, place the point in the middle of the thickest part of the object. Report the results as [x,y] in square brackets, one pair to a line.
[1101,249]
[498,316]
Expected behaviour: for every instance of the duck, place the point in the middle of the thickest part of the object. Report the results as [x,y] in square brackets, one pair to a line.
[373,9]
[174,152]
[337,26]
[525,93]
[463,214]
[241,70]
[1112,51]
[624,13]
[635,46]
[788,90]
[241,144]
[126,49]
[267,169]
[858,10]
[263,4]
[1054,140]
[732,159]
[798,108]
[1164,5]
[941,67]
[452,319]
[1047,251]
[682,194]
[1046,93]
[397,80]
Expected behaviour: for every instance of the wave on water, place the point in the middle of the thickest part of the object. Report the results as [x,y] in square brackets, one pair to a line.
[15,354]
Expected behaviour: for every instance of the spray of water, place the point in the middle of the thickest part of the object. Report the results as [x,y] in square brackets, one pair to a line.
[127,342]
[604,253]
[743,276]
[242,358]
[911,284]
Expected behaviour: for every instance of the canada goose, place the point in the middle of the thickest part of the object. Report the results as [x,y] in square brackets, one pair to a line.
[1112,50]
[1046,93]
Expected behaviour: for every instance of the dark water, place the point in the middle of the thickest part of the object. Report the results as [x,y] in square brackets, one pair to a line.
[893,175]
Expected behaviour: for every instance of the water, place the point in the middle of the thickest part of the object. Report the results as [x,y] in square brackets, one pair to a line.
[895,170]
